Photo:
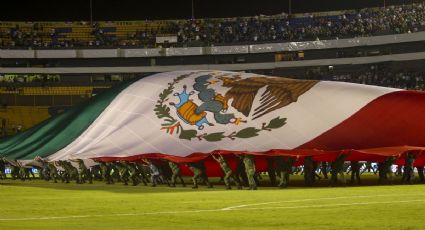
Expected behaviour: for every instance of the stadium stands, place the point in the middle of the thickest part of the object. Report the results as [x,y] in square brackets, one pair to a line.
[331,25]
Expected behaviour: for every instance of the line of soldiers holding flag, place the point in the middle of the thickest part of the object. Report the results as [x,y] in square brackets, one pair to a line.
[165,171]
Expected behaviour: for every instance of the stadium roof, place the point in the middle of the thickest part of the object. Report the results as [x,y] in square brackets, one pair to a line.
[46,10]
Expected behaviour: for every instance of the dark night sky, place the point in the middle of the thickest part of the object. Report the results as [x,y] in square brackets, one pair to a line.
[75,10]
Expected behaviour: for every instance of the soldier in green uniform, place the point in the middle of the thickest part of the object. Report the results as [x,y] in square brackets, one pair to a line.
[134,173]
[71,173]
[271,170]
[308,171]
[324,169]
[249,164]
[355,172]
[154,172]
[115,173]
[284,169]
[24,171]
[228,173]
[65,174]
[2,169]
[337,167]
[198,169]
[143,172]
[240,171]
[123,171]
[53,172]
[106,172]
[408,169]
[421,173]
[96,172]
[175,169]
[84,173]
[385,170]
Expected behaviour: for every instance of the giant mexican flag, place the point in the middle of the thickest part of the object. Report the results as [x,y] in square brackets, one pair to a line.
[190,112]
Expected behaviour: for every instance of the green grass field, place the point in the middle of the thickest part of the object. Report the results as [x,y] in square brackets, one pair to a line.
[45,205]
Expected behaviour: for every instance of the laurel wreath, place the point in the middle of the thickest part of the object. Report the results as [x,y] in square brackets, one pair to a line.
[172,125]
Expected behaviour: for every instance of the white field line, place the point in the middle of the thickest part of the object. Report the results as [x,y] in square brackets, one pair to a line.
[215,210]
[317,199]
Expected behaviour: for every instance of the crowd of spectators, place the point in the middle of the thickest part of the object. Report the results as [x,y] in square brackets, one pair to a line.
[412,80]
[258,29]
[366,22]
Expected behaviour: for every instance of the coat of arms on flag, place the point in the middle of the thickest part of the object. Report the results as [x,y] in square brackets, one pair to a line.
[227,100]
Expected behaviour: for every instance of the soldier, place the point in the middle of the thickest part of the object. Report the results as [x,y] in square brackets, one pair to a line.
[143,171]
[315,174]
[408,169]
[175,168]
[123,171]
[134,173]
[53,172]
[2,169]
[165,172]
[421,173]
[271,170]
[241,171]
[385,170]
[249,164]
[43,167]
[73,172]
[308,171]
[84,173]
[106,172]
[337,167]
[284,168]
[355,172]
[65,174]
[198,169]
[24,171]
[154,172]
[228,173]
[115,173]
[96,172]
[324,169]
